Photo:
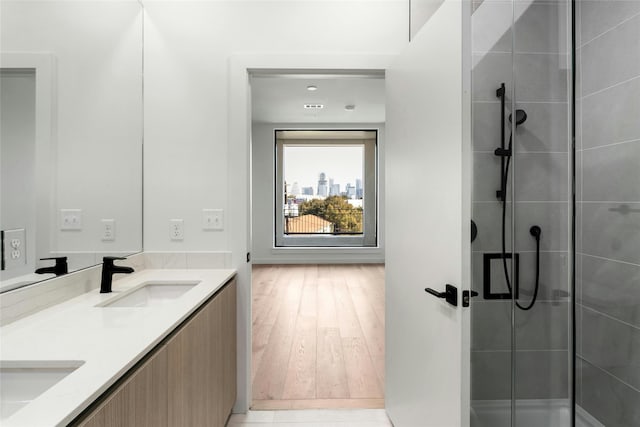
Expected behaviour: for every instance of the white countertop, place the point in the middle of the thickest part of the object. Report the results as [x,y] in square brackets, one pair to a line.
[109,340]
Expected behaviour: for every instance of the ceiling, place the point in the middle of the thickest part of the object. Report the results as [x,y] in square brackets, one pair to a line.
[280,98]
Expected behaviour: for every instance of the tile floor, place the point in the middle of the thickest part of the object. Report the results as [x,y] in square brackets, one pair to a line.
[312,418]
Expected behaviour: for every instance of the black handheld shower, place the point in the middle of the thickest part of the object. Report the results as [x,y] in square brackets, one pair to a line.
[505,155]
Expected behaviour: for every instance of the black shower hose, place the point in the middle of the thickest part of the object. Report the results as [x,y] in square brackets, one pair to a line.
[504,249]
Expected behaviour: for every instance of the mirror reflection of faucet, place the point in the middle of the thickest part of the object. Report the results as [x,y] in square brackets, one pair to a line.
[61,267]
[108,270]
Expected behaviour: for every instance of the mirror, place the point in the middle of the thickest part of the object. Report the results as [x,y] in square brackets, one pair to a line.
[70,135]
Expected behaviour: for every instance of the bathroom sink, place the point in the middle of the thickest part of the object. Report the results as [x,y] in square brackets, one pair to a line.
[23,381]
[150,294]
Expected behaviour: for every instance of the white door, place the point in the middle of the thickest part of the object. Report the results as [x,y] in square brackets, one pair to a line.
[427,227]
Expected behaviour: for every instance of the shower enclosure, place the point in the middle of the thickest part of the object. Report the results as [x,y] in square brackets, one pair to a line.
[555,337]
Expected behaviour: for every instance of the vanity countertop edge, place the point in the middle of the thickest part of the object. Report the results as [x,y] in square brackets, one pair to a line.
[109,340]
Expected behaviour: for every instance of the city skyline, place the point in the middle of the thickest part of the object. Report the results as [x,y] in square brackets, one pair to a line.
[332,190]
[342,164]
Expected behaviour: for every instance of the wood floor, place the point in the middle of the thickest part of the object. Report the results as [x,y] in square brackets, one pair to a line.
[318,336]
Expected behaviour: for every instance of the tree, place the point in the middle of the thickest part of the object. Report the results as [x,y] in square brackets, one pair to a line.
[315,207]
[337,210]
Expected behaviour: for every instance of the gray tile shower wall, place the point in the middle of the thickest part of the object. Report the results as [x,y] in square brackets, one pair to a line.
[612,57]
[551,289]
[606,398]
[611,288]
[617,348]
[544,328]
[608,211]
[538,373]
[540,171]
[605,115]
[552,217]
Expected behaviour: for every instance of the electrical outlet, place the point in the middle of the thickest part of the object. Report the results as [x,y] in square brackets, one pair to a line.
[108,229]
[15,251]
[70,219]
[212,219]
[176,230]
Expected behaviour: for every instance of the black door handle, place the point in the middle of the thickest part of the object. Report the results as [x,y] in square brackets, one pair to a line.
[450,294]
[435,293]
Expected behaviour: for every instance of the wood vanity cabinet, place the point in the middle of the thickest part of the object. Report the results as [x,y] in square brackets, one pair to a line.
[189,379]
[201,392]
[141,400]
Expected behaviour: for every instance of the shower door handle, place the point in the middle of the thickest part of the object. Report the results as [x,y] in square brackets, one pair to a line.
[450,294]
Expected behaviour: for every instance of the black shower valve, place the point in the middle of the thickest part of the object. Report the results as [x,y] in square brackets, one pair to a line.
[535,231]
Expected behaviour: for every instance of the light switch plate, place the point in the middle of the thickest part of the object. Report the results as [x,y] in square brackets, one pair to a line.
[15,248]
[70,219]
[212,219]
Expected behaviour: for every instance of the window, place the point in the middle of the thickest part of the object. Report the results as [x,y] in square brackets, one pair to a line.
[326,188]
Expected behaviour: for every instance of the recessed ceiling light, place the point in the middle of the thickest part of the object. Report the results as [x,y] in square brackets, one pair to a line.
[349,107]
[312,88]
[313,106]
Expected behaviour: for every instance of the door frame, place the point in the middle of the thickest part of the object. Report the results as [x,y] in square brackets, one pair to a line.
[239,172]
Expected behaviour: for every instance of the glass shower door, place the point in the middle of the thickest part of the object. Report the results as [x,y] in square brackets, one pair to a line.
[491,310]
[521,347]
[565,350]
[542,178]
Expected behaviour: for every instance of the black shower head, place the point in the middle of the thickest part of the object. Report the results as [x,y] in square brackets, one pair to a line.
[521,117]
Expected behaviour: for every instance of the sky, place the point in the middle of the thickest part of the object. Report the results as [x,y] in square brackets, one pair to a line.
[304,164]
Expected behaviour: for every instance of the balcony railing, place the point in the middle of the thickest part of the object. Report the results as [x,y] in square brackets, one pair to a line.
[332,222]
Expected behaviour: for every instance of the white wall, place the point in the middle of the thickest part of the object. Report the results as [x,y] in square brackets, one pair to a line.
[263,194]
[421,12]
[187,48]
[195,154]
[97,128]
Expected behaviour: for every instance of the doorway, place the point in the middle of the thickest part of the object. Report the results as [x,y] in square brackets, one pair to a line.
[317,309]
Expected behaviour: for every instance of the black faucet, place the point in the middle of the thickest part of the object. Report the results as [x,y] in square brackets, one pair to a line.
[108,270]
[59,269]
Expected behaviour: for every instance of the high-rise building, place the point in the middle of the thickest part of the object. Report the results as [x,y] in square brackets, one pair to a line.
[322,185]
[331,187]
[359,190]
[295,189]
[334,190]
[350,191]
[307,191]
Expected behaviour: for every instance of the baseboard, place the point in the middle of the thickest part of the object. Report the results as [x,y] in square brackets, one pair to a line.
[267,405]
